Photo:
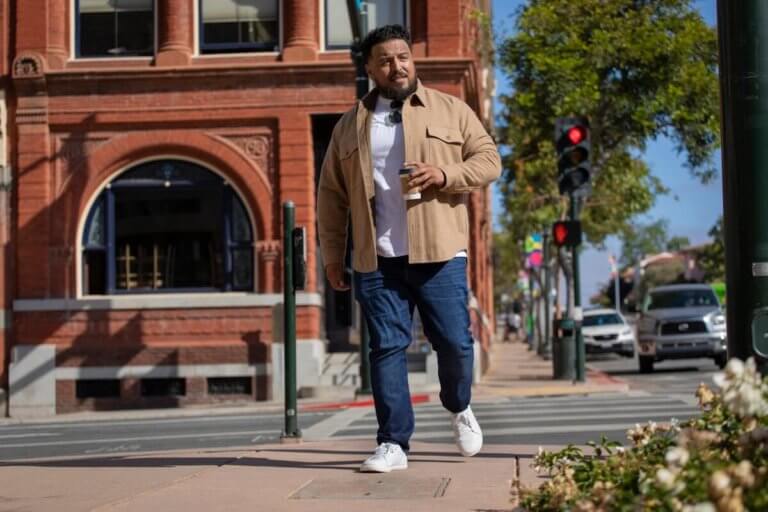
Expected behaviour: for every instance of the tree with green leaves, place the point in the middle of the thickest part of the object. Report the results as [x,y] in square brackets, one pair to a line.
[712,257]
[638,70]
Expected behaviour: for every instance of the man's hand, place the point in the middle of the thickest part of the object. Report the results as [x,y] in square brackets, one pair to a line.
[425,175]
[335,274]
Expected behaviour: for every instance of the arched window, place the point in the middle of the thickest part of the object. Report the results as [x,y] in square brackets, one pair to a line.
[167,226]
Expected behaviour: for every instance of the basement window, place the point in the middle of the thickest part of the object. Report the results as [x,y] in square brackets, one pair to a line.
[163,387]
[230,385]
[99,388]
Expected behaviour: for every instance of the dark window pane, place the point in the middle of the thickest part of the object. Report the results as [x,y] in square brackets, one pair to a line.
[163,387]
[239,25]
[241,226]
[94,272]
[97,34]
[242,269]
[136,33]
[338,30]
[169,233]
[94,235]
[230,385]
[114,28]
[101,388]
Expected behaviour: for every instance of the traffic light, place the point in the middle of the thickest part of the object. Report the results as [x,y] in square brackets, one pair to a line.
[573,153]
[566,233]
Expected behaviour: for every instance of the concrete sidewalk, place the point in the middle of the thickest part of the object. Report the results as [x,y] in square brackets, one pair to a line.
[319,475]
[517,371]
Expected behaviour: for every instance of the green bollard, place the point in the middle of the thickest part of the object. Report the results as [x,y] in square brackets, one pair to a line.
[291,432]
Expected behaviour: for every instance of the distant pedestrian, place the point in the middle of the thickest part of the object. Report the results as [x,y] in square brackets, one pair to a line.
[401,162]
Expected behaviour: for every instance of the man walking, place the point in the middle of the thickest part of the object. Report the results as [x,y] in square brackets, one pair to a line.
[402,162]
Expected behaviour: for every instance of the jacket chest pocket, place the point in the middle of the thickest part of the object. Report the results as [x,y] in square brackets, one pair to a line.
[443,145]
[349,158]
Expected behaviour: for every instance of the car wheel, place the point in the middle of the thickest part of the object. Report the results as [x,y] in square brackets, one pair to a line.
[646,364]
[721,360]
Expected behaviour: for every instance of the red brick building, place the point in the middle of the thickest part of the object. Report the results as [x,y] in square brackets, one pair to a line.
[150,145]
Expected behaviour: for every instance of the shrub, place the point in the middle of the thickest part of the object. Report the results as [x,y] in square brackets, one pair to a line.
[717,462]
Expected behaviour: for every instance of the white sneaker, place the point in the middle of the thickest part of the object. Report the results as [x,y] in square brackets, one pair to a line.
[388,457]
[467,433]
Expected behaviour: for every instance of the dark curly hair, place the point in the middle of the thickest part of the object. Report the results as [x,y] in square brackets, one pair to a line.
[382,35]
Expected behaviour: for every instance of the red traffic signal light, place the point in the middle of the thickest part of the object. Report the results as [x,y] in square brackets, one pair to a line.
[577,134]
[572,142]
[566,233]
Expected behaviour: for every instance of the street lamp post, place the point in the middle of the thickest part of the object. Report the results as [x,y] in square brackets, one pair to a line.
[357,17]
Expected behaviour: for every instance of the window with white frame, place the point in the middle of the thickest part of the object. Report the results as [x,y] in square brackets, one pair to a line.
[167,226]
[239,25]
[114,28]
[376,13]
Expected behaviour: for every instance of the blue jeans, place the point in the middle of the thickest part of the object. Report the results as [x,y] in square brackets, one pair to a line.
[388,296]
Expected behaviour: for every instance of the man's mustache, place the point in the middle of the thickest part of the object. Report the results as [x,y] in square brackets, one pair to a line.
[398,75]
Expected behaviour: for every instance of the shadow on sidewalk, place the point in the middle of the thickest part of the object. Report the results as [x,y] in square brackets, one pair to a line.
[414,455]
[255,460]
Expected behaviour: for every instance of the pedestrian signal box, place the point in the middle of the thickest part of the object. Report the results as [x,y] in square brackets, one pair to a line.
[566,233]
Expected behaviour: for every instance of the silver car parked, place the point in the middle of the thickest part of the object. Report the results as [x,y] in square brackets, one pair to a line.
[681,321]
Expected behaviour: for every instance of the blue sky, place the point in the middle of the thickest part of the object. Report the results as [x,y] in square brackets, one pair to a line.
[690,208]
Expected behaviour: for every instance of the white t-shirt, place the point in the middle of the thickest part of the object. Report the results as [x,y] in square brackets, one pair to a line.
[387,157]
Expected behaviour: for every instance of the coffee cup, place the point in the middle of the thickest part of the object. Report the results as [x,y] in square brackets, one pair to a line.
[409,193]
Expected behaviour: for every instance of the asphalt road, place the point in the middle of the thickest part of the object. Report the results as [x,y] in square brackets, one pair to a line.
[44,440]
[660,396]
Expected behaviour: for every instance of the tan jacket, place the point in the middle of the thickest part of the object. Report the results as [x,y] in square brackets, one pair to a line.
[439,129]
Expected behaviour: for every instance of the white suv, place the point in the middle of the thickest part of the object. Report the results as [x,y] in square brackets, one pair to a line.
[606,330]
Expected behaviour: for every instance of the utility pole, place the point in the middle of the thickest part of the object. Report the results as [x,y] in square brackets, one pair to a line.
[577,312]
[359,25]
[743,36]
[545,347]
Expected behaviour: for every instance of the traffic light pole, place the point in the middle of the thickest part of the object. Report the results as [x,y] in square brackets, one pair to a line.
[544,346]
[743,36]
[358,20]
[577,314]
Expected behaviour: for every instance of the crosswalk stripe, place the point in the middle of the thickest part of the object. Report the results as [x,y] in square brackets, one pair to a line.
[582,417]
[679,407]
[142,438]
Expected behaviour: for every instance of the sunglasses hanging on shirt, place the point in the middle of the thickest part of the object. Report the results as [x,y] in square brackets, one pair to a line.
[396,117]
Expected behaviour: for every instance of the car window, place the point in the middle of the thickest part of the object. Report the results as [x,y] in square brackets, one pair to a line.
[681,299]
[604,319]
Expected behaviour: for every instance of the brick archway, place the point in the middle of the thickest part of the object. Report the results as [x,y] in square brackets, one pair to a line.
[125,151]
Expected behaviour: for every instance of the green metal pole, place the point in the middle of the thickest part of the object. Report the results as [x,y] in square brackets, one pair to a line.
[289,325]
[545,347]
[577,315]
[359,28]
[743,37]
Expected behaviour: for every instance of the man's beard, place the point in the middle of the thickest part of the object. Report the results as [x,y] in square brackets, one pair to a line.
[393,93]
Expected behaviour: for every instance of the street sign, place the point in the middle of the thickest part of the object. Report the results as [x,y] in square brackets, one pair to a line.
[534,246]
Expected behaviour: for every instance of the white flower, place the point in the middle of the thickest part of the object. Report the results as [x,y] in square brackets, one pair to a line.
[743,389]
[665,478]
[677,457]
[734,369]
[719,483]
[705,506]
